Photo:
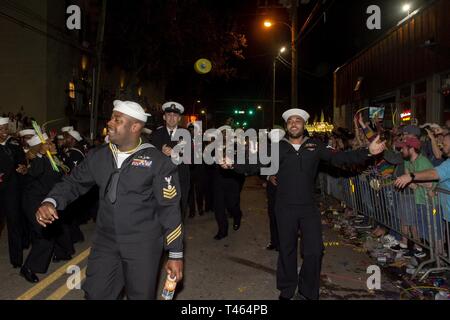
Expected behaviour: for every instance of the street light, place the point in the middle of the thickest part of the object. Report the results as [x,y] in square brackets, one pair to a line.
[268,23]
[283,49]
[294,35]
[407,8]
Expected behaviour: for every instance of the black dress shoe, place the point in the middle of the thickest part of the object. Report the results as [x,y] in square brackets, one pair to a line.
[220,236]
[236,226]
[201,212]
[16,266]
[191,215]
[270,246]
[29,275]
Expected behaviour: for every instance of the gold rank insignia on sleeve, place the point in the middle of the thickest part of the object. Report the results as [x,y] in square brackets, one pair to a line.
[170,192]
[174,235]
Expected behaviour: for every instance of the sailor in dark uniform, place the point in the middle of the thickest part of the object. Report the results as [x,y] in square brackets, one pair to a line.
[227,190]
[162,137]
[74,153]
[78,211]
[65,134]
[295,207]
[197,192]
[12,165]
[55,239]
[25,135]
[139,214]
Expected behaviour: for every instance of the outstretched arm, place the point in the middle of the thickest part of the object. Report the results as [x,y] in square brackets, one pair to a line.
[352,157]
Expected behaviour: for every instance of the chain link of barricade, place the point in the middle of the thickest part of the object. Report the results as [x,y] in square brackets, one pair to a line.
[421,215]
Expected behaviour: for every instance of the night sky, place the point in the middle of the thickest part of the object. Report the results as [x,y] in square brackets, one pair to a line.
[330,40]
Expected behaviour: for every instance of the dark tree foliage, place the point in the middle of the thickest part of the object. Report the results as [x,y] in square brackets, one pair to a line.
[152,40]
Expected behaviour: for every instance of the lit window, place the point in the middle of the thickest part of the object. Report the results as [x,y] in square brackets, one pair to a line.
[71,90]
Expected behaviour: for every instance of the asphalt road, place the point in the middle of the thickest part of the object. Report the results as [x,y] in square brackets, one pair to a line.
[235,268]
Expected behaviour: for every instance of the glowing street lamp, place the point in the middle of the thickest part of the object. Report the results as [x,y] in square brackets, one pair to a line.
[407,8]
[268,23]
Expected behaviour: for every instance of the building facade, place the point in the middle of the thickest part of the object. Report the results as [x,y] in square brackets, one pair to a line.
[407,72]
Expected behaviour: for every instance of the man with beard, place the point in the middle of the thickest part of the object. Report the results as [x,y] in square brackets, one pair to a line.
[295,207]
[139,213]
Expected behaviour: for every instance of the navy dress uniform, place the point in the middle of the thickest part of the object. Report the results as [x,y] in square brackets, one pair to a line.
[74,155]
[296,210]
[11,156]
[227,196]
[79,210]
[163,136]
[139,215]
[46,242]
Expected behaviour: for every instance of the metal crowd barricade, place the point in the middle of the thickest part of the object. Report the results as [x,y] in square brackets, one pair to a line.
[424,222]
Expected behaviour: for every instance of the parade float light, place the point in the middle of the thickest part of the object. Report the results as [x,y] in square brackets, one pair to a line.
[320,127]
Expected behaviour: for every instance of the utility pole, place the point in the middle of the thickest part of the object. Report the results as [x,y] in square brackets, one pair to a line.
[97,71]
[274,91]
[294,72]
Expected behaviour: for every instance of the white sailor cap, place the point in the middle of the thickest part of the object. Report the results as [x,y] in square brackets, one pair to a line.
[296,112]
[4,121]
[76,135]
[35,140]
[67,129]
[60,137]
[173,107]
[27,132]
[131,109]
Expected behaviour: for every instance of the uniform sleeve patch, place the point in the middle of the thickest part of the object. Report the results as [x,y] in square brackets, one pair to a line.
[170,192]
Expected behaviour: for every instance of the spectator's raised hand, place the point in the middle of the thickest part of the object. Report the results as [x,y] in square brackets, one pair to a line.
[376,146]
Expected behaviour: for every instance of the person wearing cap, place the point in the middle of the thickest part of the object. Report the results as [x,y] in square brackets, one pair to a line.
[227,191]
[415,221]
[55,240]
[77,211]
[162,139]
[440,173]
[197,172]
[295,207]
[74,155]
[410,131]
[25,135]
[139,214]
[12,167]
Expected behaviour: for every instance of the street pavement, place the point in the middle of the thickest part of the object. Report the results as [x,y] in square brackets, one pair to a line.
[235,268]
